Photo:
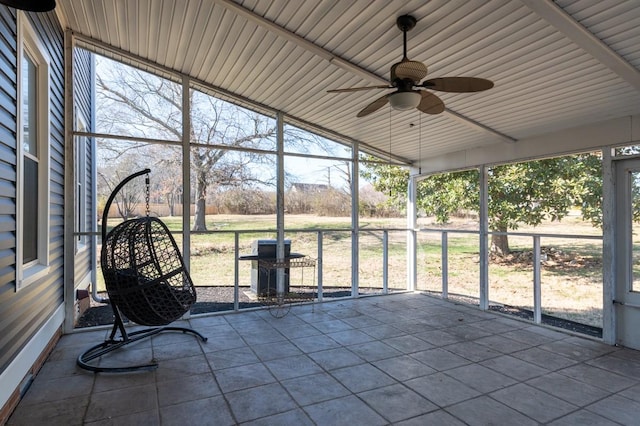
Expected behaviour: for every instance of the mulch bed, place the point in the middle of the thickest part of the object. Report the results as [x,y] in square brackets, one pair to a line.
[566,324]
[210,299]
[527,314]
[220,298]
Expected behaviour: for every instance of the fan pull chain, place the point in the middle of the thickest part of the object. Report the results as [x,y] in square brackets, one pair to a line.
[390,179]
[420,144]
[146,195]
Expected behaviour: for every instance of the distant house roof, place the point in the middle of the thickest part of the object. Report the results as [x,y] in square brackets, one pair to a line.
[308,187]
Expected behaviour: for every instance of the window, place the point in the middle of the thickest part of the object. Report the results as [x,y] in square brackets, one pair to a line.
[33,157]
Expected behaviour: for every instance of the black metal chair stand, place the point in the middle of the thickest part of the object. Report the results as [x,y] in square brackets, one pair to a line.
[146,281]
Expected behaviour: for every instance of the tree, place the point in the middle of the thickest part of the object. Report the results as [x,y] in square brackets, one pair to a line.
[132,102]
[521,193]
[215,122]
[387,179]
[374,203]
[226,141]
[109,176]
[169,185]
[528,193]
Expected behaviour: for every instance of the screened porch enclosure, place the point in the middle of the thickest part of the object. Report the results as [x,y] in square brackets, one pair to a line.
[287,124]
[282,174]
[302,151]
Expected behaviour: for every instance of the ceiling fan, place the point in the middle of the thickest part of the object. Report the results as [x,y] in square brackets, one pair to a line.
[31,5]
[405,78]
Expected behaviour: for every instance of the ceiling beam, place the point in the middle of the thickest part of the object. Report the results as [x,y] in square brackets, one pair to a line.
[340,62]
[587,138]
[563,22]
[301,41]
[479,126]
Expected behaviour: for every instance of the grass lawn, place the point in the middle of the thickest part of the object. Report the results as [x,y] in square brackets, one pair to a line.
[571,268]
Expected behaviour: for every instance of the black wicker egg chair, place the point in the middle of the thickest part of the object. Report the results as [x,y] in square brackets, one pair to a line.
[146,281]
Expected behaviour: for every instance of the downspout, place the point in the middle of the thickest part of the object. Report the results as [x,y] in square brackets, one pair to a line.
[94,187]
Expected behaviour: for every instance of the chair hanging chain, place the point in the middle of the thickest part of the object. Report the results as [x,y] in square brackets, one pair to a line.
[146,194]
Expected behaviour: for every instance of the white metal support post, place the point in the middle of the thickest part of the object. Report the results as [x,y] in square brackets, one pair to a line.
[280,278]
[537,292]
[385,261]
[484,238]
[236,272]
[355,221]
[186,173]
[445,264]
[412,221]
[319,264]
[186,177]
[608,248]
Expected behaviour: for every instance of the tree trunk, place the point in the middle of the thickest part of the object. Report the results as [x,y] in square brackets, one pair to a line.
[500,243]
[201,206]
[171,203]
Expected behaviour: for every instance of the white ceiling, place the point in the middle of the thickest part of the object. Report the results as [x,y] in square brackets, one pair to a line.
[555,65]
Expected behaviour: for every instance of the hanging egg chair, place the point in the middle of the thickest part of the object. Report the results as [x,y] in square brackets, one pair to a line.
[144,272]
[146,280]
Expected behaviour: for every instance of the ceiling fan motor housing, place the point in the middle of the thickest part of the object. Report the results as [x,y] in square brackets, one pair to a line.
[406,69]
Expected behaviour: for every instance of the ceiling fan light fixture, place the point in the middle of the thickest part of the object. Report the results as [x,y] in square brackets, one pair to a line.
[403,101]
[31,5]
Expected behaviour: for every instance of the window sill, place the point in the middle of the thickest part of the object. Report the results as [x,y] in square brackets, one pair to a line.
[32,274]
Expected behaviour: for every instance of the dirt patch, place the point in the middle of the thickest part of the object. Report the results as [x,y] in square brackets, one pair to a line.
[551,258]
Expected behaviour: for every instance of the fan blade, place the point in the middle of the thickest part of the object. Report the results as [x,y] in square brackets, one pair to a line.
[458,84]
[374,106]
[430,103]
[357,89]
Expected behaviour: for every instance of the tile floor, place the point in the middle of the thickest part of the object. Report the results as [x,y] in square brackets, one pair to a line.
[405,359]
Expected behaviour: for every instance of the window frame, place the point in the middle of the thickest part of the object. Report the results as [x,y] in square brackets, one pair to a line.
[29,44]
